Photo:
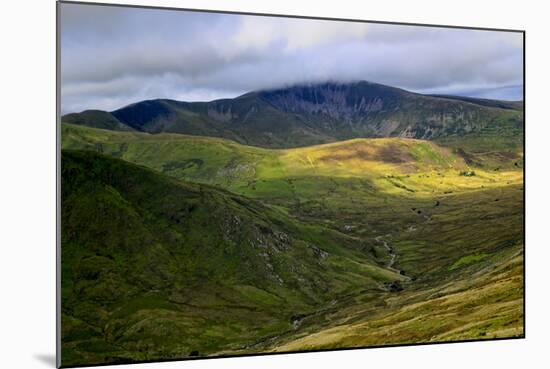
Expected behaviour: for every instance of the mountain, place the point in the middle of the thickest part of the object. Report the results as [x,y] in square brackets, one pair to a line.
[502,104]
[304,115]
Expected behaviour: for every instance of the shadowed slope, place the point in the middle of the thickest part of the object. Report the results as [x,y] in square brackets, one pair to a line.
[157,268]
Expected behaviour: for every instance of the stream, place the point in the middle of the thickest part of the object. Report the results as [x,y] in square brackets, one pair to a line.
[393,256]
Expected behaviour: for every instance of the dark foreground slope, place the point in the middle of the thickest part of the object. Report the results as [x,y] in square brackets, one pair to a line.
[316,113]
[155,268]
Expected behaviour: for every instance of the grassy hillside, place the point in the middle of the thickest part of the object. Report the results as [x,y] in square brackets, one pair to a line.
[389,165]
[177,245]
[480,305]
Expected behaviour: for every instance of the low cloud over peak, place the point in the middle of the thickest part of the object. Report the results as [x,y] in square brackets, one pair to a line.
[112,56]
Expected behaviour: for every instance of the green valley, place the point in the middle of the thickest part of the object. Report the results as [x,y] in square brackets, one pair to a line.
[180,246]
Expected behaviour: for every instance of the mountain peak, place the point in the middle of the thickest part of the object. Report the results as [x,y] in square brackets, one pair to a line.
[339,100]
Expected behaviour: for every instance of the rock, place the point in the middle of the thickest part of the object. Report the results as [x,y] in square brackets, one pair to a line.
[394,286]
[321,254]
[296,320]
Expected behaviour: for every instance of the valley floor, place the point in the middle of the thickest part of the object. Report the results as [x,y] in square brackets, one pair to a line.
[486,306]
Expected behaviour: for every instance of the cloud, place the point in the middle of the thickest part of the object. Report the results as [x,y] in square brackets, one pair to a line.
[113,56]
[291,33]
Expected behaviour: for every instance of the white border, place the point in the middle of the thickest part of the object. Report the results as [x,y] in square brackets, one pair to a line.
[27,192]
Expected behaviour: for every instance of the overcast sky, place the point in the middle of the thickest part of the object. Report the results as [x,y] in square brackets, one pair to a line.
[114,56]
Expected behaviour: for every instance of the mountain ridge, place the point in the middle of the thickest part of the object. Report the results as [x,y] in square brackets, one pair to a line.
[308,114]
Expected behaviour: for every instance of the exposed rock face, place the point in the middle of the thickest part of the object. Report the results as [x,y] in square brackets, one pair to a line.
[370,109]
[338,101]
